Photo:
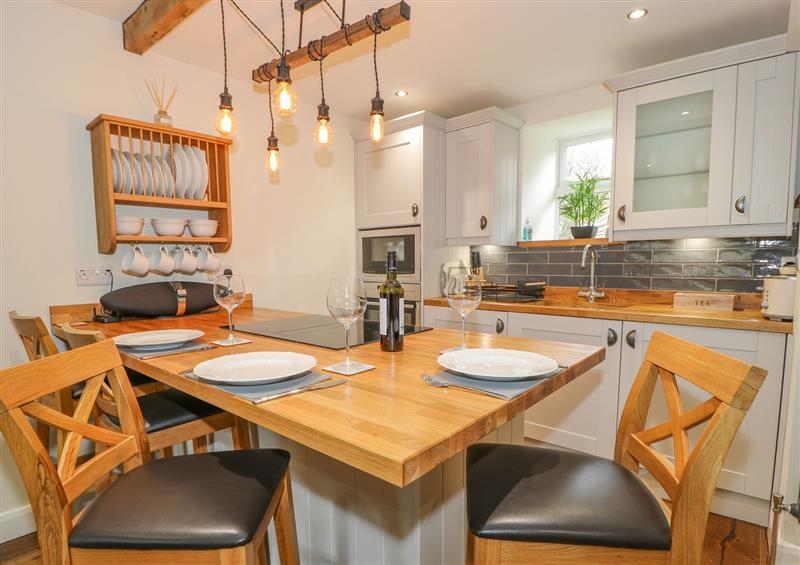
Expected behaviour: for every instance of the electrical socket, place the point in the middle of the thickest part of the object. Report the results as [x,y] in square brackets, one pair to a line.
[93,276]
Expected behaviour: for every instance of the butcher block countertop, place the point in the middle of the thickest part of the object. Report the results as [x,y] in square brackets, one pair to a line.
[639,306]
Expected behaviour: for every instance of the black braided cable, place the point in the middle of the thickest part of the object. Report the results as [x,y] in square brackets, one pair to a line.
[344,5]
[224,47]
[375,64]
[335,13]
[269,103]
[300,34]
[252,23]
[283,31]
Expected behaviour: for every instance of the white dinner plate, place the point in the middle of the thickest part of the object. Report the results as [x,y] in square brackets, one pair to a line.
[193,174]
[115,170]
[157,339]
[147,170]
[127,179]
[178,160]
[158,175]
[498,364]
[138,185]
[169,180]
[259,367]
[202,169]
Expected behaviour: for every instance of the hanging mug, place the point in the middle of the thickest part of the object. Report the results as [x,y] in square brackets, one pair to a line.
[161,261]
[207,260]
[136,262]
[185,261]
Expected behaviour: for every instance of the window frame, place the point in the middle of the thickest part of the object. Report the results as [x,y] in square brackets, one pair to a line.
[562,184]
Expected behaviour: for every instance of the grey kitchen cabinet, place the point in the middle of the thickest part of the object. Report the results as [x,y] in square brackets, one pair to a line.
[481,321]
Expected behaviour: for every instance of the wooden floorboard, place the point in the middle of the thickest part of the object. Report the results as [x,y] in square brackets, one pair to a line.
[728,542]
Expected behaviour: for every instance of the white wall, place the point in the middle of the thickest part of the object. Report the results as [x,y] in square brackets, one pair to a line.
[60,68]
[539,164]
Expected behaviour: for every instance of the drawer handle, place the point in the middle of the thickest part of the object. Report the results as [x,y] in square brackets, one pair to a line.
[738,205]
[484,222]
[611,338]
[630,339]
[499,326]
[621,213]
[414,210]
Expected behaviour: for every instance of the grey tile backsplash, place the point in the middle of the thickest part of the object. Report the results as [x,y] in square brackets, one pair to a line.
[703,264]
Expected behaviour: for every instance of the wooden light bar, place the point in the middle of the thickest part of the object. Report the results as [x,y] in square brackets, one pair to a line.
[391,16]
[154,19]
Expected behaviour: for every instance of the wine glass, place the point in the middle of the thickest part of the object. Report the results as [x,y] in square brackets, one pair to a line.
[464,295]
[229,293]
[347,301]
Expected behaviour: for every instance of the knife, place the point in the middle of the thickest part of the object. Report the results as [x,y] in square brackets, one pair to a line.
[325,384]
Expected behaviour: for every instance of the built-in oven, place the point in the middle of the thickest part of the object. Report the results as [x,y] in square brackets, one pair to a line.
[411,301]
[374,244]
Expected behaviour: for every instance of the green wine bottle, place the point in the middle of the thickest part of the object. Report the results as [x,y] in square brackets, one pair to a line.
[392,304]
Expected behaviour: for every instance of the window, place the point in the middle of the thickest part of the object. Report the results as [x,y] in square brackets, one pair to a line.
[587,154]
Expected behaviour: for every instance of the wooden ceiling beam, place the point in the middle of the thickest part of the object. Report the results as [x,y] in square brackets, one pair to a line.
[154,19]
[391,16]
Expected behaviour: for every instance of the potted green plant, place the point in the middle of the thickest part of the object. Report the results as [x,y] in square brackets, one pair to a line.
[582,206]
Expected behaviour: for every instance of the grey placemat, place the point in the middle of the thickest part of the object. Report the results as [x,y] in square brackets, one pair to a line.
[507,389]
[183,348]
[259,393]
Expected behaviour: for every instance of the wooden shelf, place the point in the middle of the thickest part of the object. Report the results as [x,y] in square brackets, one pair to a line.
[568,242]
[113,137]
[162,202]
[168,239]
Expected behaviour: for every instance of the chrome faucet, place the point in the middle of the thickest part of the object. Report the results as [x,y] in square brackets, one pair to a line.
[592,292]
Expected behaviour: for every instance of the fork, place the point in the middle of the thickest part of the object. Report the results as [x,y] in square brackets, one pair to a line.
[433,381]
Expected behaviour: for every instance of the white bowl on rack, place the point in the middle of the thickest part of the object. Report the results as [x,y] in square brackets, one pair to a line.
[203,228]
[129,225]
[171,227]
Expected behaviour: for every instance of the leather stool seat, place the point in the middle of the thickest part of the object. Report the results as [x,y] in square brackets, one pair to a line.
[135,377]
[206,501]
[168,408]
[531,494]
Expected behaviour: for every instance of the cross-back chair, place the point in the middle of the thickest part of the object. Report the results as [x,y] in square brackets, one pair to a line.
[539,505]
[199,509]
[170,416]
[38,343]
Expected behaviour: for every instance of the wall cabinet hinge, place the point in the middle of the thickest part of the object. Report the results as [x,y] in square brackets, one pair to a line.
[778,506]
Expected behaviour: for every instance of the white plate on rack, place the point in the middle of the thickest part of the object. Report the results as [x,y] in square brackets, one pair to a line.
[178,159]
[125,169]
[259,367]
[193,176]
[138,186]
[147,171]
[169,180]
[115,171]
[498,364]
[158,175]
[202,168]
[157,339]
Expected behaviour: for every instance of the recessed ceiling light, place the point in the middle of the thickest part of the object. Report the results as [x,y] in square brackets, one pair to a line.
[401,93]
[686,113]
[637,14]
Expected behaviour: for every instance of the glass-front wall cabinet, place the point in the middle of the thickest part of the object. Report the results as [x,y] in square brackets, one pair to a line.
[674,155]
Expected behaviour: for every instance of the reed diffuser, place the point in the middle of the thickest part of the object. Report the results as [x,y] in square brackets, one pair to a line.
[162,102]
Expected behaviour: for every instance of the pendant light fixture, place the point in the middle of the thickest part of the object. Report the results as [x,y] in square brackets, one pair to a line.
[376,114]
[285,98]
[272,142]
[323,132]
[225,123]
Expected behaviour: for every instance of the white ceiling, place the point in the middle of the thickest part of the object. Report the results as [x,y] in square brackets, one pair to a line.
[457,56]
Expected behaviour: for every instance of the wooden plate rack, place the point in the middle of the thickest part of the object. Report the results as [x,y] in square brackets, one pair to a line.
[109,132]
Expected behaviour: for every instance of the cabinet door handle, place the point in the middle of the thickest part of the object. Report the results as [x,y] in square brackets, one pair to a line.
[738,205]
[484,222]
[630,339]
[621,213]
[611,338]
[414,210]
[499,326]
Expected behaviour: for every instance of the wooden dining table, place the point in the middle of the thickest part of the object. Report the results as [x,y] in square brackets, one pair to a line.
[377,462]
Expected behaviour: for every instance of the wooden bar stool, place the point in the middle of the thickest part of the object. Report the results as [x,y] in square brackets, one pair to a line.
[538,505]
[198,509]
[170,416]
